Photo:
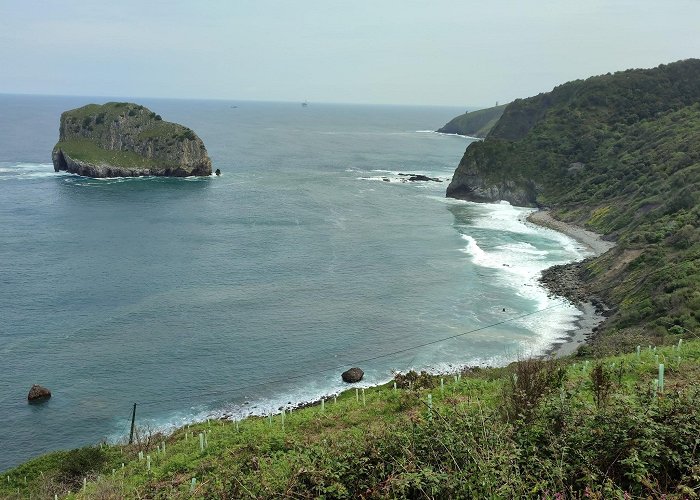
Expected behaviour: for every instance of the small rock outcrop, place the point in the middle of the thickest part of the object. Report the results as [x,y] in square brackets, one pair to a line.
[38,393]
[121,139]
[352,375]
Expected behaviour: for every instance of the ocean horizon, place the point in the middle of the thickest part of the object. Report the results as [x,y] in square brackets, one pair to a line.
[242,294]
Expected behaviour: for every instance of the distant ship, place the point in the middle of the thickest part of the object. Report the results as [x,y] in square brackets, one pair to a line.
[304,104]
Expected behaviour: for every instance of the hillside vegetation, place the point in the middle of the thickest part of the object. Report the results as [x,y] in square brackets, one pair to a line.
[620,154]
[474,123]
[125,139]
[606,428]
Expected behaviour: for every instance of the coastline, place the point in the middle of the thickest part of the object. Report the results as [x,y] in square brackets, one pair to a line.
[592,313]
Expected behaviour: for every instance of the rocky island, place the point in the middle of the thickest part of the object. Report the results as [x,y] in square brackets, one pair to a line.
[121,139]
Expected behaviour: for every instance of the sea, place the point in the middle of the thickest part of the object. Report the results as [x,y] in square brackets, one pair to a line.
[242,294]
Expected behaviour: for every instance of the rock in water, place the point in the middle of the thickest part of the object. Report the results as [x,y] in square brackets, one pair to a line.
[353,375]
[38,393]
[121,139]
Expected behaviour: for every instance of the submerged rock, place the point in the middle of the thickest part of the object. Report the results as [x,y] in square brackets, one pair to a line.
[38,393]
[352,375]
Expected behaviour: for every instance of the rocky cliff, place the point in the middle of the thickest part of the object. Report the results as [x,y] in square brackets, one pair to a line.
[544,145]
[619,154]
[120,139]
[474,123]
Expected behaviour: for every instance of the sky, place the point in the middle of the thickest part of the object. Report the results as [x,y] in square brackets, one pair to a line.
[462,53]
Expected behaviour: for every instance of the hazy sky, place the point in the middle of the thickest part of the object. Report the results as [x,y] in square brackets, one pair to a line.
[396,52]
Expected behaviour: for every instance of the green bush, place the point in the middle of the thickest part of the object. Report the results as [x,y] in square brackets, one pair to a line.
[80,462]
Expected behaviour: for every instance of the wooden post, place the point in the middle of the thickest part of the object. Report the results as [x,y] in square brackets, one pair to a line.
[133,421]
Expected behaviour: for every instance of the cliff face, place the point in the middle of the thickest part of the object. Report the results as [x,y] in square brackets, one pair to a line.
[550,141]
[127,140]
[474,123]
[619,154]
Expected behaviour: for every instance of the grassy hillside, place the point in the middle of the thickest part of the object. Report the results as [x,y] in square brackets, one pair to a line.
[536,429]
[620,154]
[474,123]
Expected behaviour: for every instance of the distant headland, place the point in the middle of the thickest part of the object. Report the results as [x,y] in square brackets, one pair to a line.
[122,139]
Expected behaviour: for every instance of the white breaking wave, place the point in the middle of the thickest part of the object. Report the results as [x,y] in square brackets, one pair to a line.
[471,138]
[519,265]
[27,171]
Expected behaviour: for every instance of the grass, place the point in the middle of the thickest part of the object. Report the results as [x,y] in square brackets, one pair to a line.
[543,429]
[88,151]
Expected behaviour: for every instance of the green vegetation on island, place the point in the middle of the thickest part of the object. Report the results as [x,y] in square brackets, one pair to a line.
[619,154]
[474,123]
[615,427]
[126,139]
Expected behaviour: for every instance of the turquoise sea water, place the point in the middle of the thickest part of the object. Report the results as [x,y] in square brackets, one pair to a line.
[240,294]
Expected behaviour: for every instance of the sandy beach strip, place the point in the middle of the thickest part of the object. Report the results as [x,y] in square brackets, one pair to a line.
[590,317]
[593,241]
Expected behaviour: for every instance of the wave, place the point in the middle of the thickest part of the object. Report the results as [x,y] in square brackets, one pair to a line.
[394,176]
[519,265]
[471,138]
[27,171]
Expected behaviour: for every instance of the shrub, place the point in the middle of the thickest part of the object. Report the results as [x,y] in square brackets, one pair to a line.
[602,383]
[530,381]
[80,462]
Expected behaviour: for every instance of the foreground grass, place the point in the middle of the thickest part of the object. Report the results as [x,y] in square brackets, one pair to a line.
[595,428]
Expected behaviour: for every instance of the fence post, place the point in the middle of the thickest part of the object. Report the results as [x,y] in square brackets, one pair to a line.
[133,420]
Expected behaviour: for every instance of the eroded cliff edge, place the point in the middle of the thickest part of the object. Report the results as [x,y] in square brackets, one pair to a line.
[120,139]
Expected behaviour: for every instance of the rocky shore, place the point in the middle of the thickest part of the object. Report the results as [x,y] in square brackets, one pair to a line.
[567,281]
